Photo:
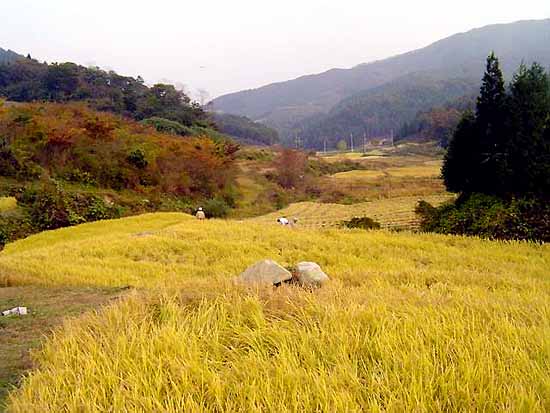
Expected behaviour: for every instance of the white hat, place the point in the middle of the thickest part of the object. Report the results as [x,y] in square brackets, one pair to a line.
[200,208]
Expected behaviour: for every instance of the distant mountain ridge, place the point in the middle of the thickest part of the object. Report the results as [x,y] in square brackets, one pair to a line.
[285,105]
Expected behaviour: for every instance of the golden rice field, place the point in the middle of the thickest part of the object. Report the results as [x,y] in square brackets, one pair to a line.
[409,322]
[394,213]
[426,169]
[7,204]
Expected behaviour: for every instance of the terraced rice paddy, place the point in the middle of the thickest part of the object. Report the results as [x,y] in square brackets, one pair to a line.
[396,213]
[408,322]
[426,169]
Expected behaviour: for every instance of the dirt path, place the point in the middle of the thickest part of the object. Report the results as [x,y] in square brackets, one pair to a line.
[48,307]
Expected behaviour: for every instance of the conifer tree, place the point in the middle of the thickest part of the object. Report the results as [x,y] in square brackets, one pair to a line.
[491,115]
[460,160]
[527,150]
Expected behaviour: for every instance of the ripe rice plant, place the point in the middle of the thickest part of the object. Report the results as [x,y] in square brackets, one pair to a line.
[426,169]
[7,204]
[395,213]
[409,322]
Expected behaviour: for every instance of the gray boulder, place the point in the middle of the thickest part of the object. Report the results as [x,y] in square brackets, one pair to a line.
[265,272]
[309,274]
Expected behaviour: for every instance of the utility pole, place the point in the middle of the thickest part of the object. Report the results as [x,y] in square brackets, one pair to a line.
[297,141]
[365,142]
[392,137]
[351,141]
[325,145]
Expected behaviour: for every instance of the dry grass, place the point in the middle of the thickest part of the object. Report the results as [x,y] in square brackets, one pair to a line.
[394,213]
[7,204]
[410,322]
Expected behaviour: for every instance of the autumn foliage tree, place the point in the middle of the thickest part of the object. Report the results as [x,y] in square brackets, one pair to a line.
[290,168]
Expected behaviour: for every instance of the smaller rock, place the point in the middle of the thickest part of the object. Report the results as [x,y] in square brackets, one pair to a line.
[310,274]
[266,272]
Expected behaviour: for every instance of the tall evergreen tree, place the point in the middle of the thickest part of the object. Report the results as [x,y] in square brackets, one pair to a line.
[530,103]
[460,161]
[491,114]
[543,163]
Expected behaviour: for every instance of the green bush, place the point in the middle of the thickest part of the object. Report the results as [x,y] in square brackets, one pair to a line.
[253,154]
[167,126]
[216,208]
[361,223]
[14,225]
[138,159]
[49,206]
[490,217]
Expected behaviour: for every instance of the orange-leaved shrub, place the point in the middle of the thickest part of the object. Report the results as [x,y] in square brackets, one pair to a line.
[73,143]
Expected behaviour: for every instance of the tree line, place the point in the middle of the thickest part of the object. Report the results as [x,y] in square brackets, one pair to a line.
[498,160]
[163,106]
[26,80]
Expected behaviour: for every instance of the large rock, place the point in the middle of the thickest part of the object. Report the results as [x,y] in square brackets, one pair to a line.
[265,272]
[310,274]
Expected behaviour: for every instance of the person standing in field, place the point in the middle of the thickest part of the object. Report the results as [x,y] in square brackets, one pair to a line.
[200,214]
[283,221]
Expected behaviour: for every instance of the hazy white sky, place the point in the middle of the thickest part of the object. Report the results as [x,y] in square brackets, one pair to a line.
[230,45]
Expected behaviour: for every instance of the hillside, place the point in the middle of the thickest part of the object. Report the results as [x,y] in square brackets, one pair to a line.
[8,56]
[67,164]
[284,104]
[408,322]
[162,106]
[379,110]
[245,130]
[27,80]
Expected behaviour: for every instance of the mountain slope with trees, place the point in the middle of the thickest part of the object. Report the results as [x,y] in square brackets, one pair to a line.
[378,111]
[285,104]
[245,130]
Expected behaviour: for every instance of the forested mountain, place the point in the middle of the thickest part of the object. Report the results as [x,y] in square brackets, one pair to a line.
[286,105]
[245,130]
[377,111]
[437,123]
[8,56]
